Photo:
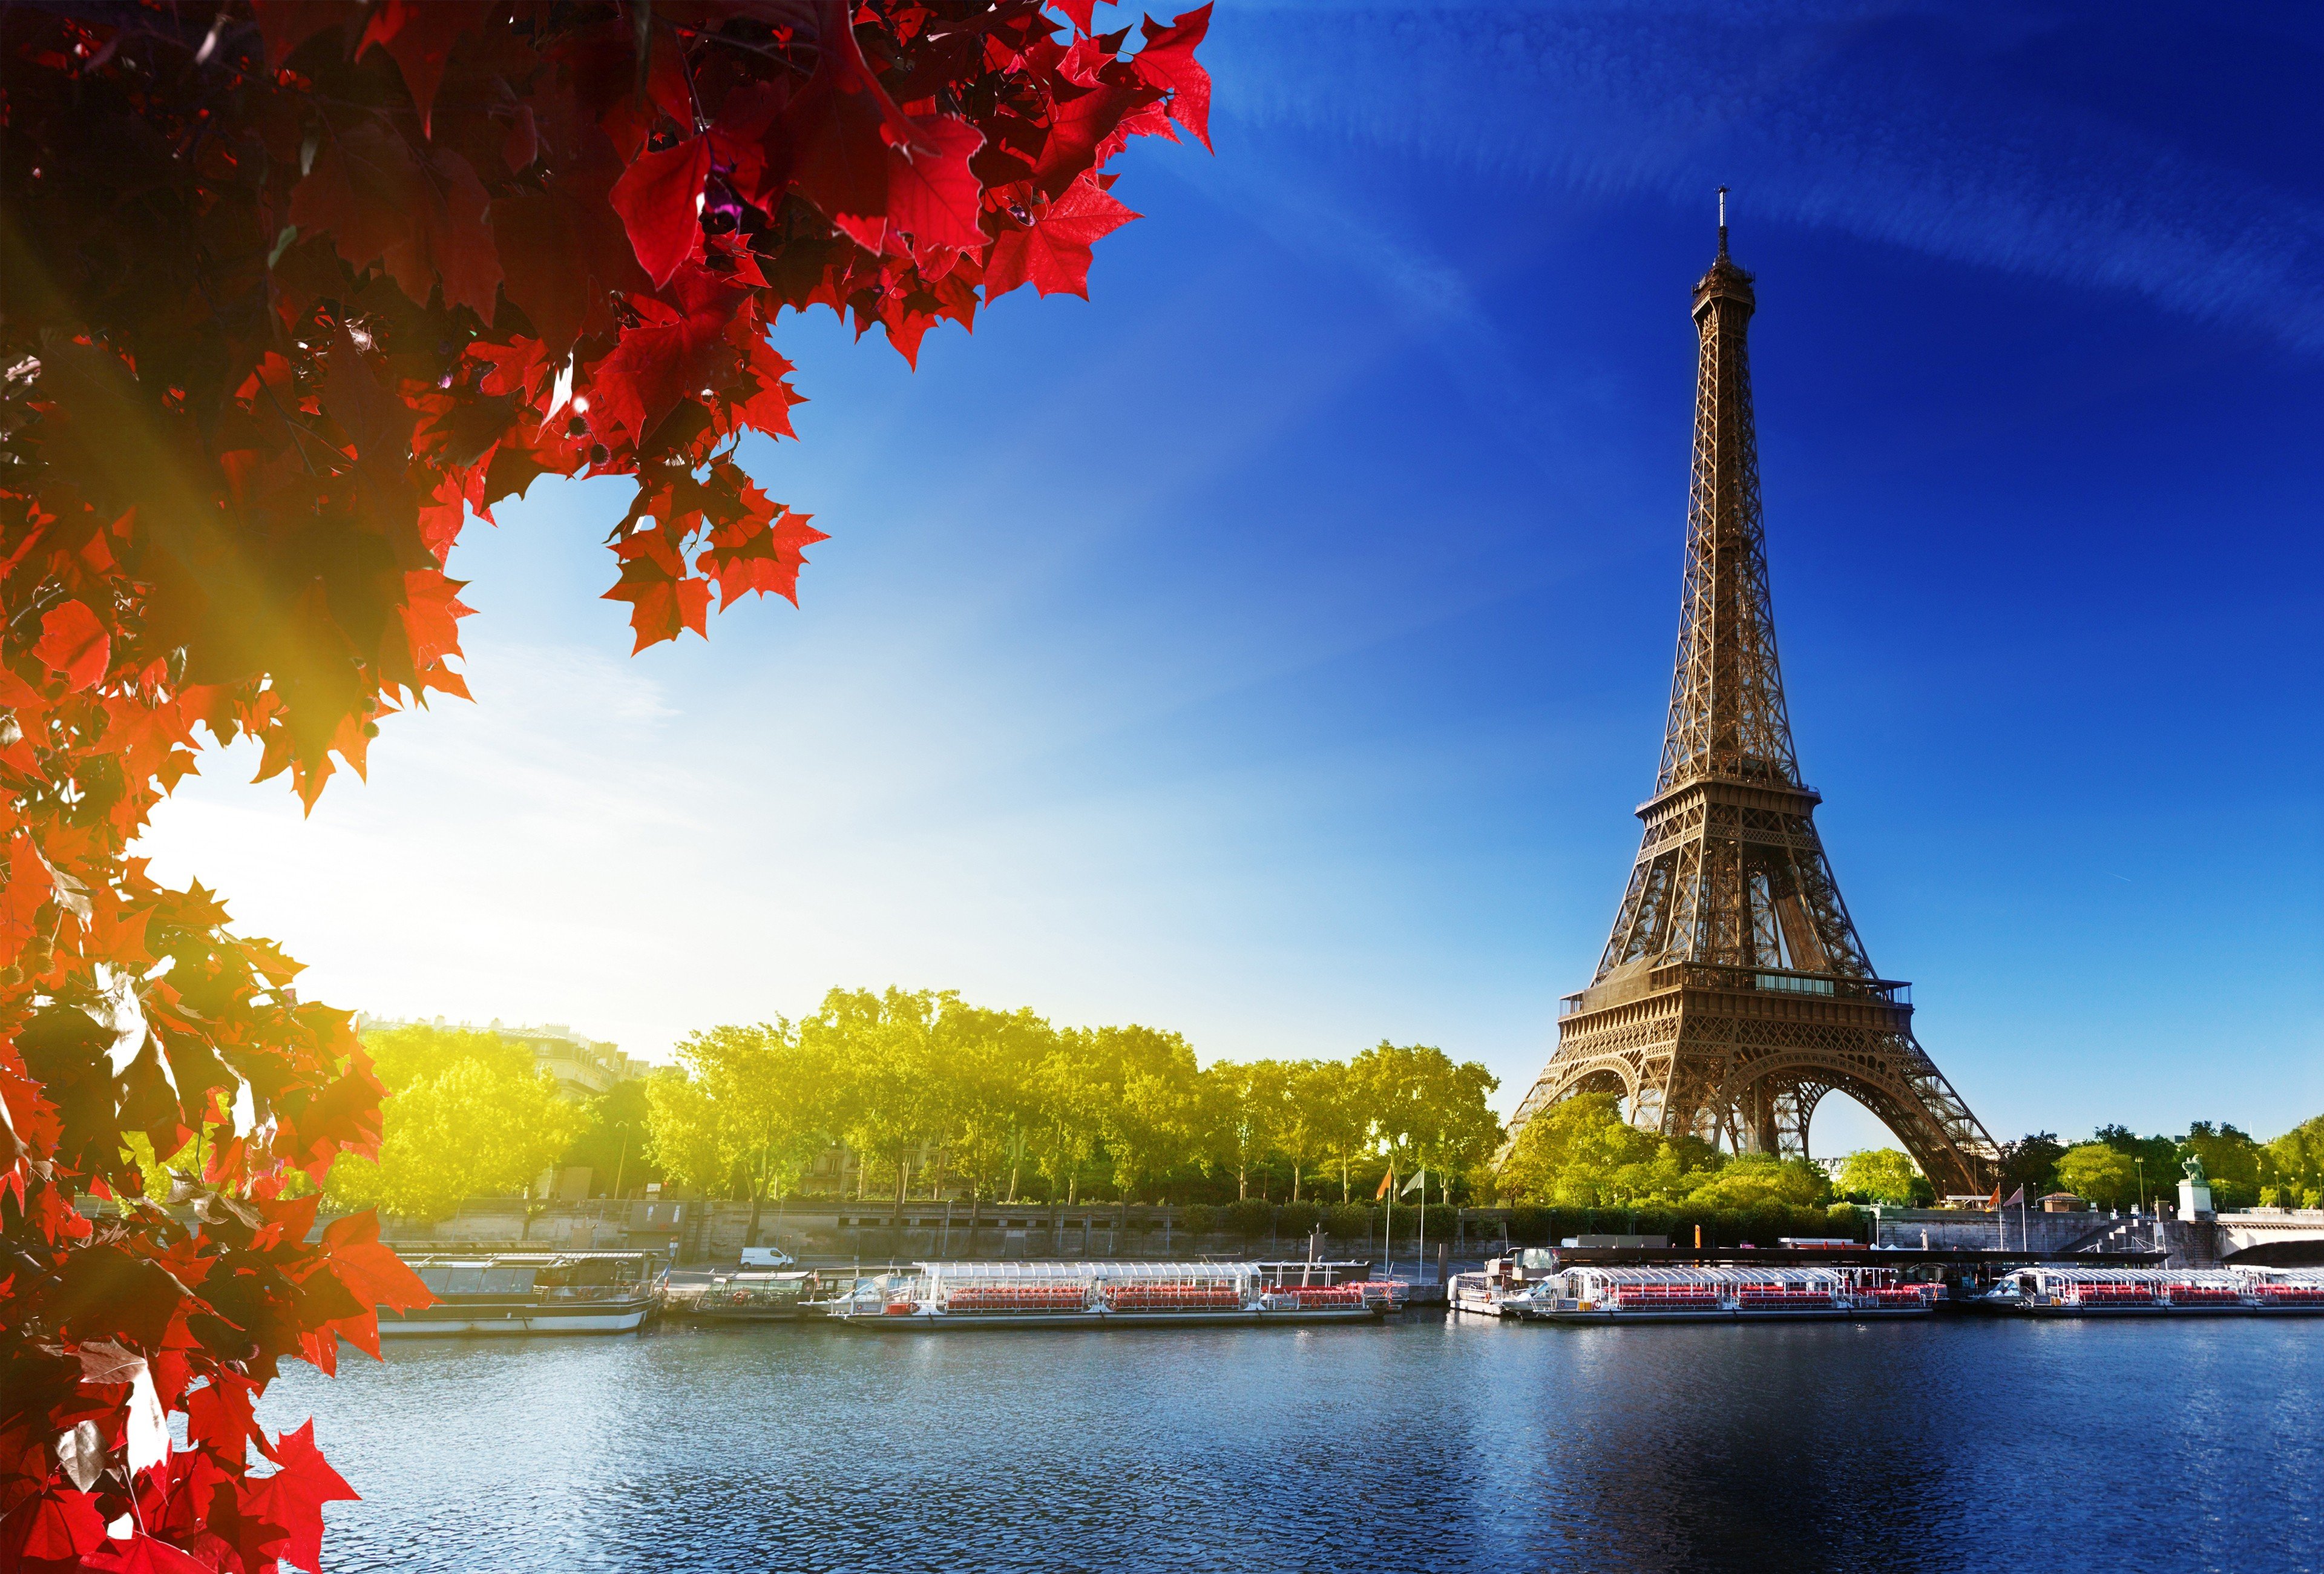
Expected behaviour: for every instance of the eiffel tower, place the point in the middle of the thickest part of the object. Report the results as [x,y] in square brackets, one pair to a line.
[1734,992]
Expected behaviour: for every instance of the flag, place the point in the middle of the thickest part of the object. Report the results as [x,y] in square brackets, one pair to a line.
[1419,1179]
[2016,1198]
[1387,1181]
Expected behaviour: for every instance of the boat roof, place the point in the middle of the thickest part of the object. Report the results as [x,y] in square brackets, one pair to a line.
[1088,1270]
[1710,1275]
[513,1259]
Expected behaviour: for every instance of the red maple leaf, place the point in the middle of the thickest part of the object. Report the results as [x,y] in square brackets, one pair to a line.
[673,351]
[1167,61]
[932,196]
[663,596]
[142,1554]
[421,36]
[1079,127]
[291,1499]
[371,1271]
[660,199]
[74,642]
[285,24]
[839,127]
[1054,255]
[422,217]
[60,1524]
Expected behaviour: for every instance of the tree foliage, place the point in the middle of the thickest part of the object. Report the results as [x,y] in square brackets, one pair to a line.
[1886,1175]
[1581,1154]
[469,1116]
[2098,1174]
[292,290]
[914,1080]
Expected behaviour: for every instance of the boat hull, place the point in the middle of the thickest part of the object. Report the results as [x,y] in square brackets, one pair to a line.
[1244,1317]
[447,1320]
[2029,1310]
[1602,1314]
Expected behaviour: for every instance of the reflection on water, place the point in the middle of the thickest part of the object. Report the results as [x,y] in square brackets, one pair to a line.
[1427,1446]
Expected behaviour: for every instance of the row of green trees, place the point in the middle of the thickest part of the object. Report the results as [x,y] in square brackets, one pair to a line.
[1582,1154]
[920,1087]
[923,1086]
[2118,1168]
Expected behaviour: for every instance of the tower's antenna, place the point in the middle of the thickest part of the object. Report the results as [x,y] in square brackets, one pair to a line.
[1722,221]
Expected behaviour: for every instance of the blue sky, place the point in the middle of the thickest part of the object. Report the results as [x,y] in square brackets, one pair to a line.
[1275,648]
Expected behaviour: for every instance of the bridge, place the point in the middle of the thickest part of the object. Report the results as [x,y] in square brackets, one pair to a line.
[2280,1237]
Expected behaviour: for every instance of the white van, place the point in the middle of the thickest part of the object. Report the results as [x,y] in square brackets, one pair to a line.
[766,1258]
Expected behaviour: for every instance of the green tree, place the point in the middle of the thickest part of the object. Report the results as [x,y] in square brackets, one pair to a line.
[2154,1158]
[2099,1174]
[773,1101]
[2031,1162]
[1572,1155]
[1149,1106]
[615,1141]
[467,1116]
[891,1102]
[2297,1161]
[1884,1175]
[685,1135]
[2231,1160]
[1243,1107]
[1423,1110]
[1755,1180]
[990,1064]
[1319,1125]
[1069,1113]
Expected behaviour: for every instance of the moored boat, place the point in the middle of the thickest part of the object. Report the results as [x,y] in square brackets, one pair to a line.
[1506,1285]
[2070,1289]
[961,1295]
[1608,1295]
[746,1296]
[529,1292]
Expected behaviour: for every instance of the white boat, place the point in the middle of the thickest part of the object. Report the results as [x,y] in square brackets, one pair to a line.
[2070,1290]
[528,1292]
[1605,1295]
[992,1295]
[1506,1285]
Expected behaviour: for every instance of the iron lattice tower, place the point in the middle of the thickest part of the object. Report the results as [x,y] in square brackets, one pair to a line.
[1734,992]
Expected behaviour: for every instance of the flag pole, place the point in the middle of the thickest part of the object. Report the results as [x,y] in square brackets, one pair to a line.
[1420,1270]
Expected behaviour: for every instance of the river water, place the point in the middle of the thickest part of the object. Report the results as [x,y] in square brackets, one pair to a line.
[1428,1444]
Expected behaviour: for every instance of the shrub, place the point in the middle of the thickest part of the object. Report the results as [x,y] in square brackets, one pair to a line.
[1296,1219]
[1199,1219]
[1249,1219]
[1349,1221]
[1533,1227]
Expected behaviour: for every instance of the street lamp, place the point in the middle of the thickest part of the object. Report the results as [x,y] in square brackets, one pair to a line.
[2142,1183]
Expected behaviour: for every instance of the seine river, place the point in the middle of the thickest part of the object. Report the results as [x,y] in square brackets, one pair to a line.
[1429,1445]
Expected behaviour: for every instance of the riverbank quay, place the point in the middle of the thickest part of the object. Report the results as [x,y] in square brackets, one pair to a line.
[822,1232]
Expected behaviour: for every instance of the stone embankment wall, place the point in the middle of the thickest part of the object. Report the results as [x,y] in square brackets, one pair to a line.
[2190,1243]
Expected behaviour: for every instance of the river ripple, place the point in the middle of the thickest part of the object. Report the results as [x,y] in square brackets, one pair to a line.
[1428,1445]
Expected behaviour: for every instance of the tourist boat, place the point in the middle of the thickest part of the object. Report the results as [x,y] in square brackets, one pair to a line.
[956,1295]
[746,1297]
[1596,1294]
[2070,1289]
[529,1292]
[1507,1285]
